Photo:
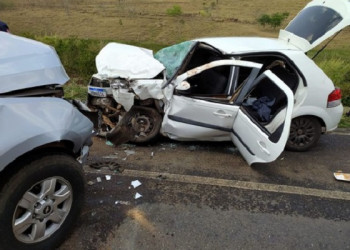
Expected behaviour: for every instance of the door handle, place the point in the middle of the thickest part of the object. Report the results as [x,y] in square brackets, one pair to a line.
[222,114]
[263,147]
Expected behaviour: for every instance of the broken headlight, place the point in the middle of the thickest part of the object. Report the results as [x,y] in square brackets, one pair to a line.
[96,82]
[119,84]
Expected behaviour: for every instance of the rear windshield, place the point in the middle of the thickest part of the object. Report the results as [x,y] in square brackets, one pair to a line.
[313,22]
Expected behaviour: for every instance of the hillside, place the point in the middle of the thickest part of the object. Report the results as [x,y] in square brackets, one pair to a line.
[144,20]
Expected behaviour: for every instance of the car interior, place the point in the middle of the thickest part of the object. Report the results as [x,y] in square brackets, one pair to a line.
[223,84]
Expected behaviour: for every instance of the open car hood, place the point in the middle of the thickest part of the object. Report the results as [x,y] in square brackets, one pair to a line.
[26,63]
[126,61]
[318,21]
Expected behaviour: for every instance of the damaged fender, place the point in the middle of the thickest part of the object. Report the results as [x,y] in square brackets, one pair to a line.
[36,121]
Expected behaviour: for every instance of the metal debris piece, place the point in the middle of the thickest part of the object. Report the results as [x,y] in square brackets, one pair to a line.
[112,165]
[98,179]
[342,176]
[137,196]
[108,177]
[136,183]
[90,183]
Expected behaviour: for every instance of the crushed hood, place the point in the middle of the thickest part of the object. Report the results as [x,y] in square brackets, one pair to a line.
[126,61]
[318,21]
[26,63]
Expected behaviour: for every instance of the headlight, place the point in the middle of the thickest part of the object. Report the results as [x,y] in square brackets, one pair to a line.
[96,82]
[119,83]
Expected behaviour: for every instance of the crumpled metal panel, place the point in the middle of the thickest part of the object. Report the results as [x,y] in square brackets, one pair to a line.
[172,57]
[26,63]
[126,61]
[27,123]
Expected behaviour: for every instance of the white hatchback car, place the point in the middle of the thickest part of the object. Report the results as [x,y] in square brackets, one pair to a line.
[261,93]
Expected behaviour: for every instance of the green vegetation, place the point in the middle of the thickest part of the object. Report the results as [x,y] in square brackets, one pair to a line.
[274,20]
[345,121]
[174,11]
[73,90]
[336,64]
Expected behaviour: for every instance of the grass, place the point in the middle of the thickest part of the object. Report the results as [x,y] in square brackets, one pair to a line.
[73,90]
[345,121]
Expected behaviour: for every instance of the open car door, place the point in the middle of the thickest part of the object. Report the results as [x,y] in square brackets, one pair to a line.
[251,135]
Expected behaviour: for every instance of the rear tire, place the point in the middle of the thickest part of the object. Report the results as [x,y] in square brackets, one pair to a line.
[304,133]
[40,203]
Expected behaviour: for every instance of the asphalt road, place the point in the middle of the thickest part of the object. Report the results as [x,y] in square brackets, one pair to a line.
[204,196]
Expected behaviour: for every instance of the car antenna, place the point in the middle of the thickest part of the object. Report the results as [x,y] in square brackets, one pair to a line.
[330,40]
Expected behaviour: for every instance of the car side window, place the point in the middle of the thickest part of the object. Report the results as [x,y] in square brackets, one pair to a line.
[211,82]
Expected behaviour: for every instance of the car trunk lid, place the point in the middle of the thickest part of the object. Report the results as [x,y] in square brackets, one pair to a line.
[318,21]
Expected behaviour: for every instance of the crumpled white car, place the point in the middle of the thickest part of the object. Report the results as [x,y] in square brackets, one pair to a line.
[44,141]
[264,94]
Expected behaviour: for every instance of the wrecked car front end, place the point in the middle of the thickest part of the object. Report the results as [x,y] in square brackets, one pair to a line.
[126,93]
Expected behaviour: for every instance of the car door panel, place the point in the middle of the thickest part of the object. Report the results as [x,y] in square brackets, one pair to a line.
[192,118]
[254,142]
[189,118]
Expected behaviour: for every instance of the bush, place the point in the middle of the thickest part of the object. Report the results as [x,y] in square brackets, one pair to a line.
[275,20]
[338,71]
[174,11]
[77,55]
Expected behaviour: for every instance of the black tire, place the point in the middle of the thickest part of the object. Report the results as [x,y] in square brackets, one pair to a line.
[46,194]
[304,133]
[145,123]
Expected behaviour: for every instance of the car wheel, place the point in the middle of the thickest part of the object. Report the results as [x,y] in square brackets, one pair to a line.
[40,203]
[304,133]
[145,123]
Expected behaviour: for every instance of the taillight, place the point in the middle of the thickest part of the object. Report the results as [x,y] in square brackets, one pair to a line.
[334,98]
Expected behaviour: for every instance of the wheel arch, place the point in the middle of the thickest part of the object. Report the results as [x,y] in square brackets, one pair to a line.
[58,147]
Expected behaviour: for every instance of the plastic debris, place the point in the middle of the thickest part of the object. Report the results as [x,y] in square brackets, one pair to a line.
[129,152]
[137,196]
[98,179]
[152,154]
[108,177]
[108,143]
[90,183]
[136,183]
[342,176]
[110,157]
[192,148]
[122,202]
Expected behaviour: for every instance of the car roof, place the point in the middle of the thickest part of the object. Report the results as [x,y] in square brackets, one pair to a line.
[234,45]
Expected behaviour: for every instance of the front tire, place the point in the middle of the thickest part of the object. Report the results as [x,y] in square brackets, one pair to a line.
[304,133]
[145,123]
[41,202]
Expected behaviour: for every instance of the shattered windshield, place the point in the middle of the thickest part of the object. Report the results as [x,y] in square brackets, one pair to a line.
[173,56]
[314,22]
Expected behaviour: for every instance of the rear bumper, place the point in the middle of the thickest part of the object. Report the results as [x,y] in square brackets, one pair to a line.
[333,118]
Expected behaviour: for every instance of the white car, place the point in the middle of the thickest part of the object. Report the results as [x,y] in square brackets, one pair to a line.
[264,94]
